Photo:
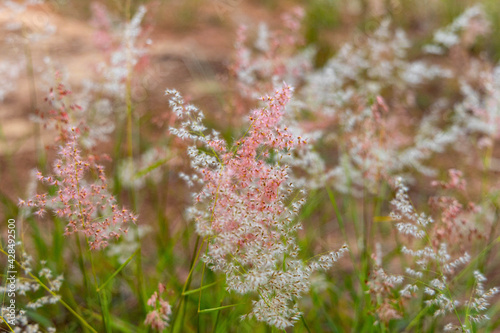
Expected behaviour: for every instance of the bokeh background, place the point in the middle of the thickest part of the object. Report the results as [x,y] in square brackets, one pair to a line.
[190,47]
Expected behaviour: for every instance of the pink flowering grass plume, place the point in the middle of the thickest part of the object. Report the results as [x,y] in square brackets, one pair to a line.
[436,267]
[66,111]
[478,112]
[274,57]
[332,104]
[113,84]
[115,81]
[103,25]
[462,32]
[126,49]
[62,115]
[459,221]
[381,286]
[161,310]
[355,103]
[456,181]
[246,209]
[87,207]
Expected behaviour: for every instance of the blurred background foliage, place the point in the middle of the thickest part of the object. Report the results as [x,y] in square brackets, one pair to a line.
[323,17]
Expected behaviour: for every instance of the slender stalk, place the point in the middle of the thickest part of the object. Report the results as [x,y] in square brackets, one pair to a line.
[6,323]
[491,239]
[81,263]
[33,102]
[486,168]
[305,323]
[130,153]
[99,289]
[128,101]
[192,291]
[218,317]
[366,233]
[219,308]
[128,85]
[102,301]
[190,276]
[201,284]
[102,296]
[182,298]
[341,222]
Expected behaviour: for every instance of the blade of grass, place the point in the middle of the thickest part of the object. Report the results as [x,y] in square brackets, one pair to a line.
[340,219]
[116,323]
[192,291]
[99,289]
[6,323]
[341,222]
[218,317]
[219,308]
[41,246]
[305,323]
[150,168]
[181,299]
